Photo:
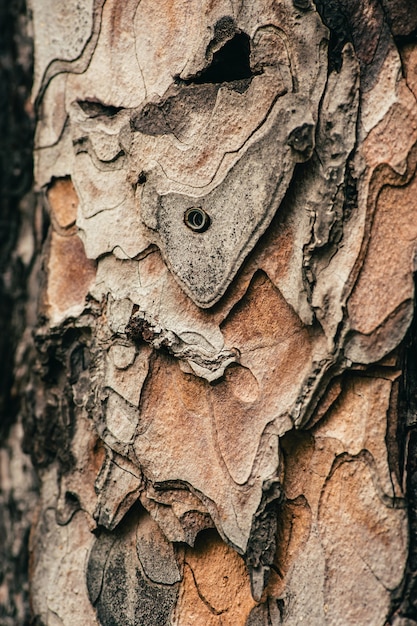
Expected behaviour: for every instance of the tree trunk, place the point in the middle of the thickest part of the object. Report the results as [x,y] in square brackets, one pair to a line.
[222,415]
[19,247]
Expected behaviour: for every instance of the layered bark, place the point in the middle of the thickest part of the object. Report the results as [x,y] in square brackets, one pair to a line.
[222,409]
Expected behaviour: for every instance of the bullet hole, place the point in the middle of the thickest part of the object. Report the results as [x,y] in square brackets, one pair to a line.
[196,219]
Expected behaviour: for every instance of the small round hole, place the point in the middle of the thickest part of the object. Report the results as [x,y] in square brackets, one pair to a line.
[196,219]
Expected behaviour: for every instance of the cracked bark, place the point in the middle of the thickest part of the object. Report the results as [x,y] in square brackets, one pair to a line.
[221,416]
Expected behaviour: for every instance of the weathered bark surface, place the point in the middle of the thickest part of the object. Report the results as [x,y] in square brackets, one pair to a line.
[218,413]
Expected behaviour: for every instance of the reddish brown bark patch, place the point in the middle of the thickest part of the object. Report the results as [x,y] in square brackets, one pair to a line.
[63,201]
[70,274]
[385,281]
[216,588]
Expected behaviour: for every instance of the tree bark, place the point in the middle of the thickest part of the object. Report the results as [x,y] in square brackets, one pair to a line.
[222,415]
[19,246]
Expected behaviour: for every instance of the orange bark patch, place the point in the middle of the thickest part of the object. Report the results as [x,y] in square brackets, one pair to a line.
[338,512]
[391,139]
[277,248]
[386,278]
[63,201]
[365,546]
[261,318]
[216,588]
[70,274]
[275,352]
[176,426]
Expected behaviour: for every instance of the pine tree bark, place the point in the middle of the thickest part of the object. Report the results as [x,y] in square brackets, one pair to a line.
[221,416]
[19,247]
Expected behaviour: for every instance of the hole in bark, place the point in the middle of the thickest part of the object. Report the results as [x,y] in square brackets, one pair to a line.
[230,63]
[141,179]
[71,499]
[196,219]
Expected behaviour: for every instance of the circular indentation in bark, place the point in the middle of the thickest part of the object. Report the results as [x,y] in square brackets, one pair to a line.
[196,219]
[242,383]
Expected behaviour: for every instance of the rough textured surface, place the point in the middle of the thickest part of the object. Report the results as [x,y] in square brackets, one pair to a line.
[20,238]
[229,279]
